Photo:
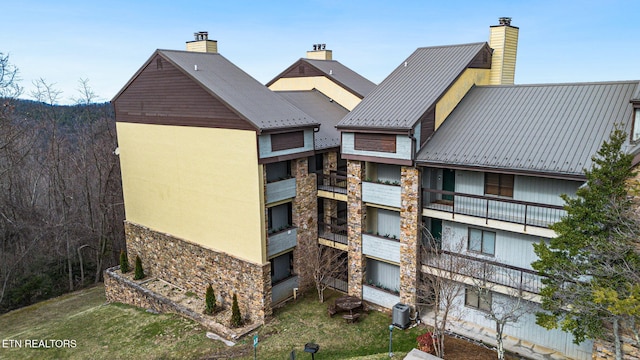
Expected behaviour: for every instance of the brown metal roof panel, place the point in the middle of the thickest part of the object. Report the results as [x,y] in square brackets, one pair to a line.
[238,90]
[413,87]
[321,108]
[540,128]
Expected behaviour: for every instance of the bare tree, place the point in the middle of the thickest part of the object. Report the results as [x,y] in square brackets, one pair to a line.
[504,308]
[326,264]
[441,283]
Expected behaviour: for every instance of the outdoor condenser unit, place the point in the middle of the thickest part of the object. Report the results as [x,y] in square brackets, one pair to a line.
[400,316]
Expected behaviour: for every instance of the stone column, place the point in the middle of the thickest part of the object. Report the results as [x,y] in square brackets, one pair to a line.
[305,217]
[409,239]
[356,220]
[330,163]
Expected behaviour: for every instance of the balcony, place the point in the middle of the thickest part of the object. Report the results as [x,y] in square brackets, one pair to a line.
[282,241]
[380,297]
[335,182]
[493,208]
[283,290]
[281,190]
[336,231]
[381,194]
[485,270]
[381,247]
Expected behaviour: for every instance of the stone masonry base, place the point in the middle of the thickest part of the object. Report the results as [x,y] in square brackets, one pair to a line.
[193,268]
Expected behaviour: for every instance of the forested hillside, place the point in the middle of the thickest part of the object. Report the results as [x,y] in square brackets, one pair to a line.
[61,208]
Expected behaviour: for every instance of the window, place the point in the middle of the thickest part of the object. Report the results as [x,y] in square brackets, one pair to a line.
[482,241]
[498,184]
[278,171]
[636,125]
[281,267]
[480,300]
[279,217]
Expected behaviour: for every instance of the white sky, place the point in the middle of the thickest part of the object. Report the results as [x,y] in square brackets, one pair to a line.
[106,42]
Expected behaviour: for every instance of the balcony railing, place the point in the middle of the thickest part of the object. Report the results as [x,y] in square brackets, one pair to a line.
[337,284]
[336,231]
[485,270]
[493,208]
[334,182]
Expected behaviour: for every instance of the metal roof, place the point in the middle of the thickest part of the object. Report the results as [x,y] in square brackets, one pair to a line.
[553,129]
[343,75]
[636,95]
[412,88]
[323,110]
[238,90]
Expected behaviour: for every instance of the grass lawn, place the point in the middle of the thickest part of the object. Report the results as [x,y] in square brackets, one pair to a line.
[116,331]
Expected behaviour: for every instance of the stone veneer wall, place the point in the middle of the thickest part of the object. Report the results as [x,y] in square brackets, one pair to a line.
[305,217]
[605,350]
[120,289]
[193,267]
[356,220]
[409,234]
[329,163]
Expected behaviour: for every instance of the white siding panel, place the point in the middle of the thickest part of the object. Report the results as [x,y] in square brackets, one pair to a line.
[511,248]
[526,329]
[541,190]
[381,248]
[264,146]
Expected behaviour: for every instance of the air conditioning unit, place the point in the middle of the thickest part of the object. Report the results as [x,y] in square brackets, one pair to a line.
[400,318]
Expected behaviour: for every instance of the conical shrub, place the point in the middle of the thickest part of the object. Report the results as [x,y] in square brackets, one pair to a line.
[139,273]
[210,301]
[124,262]
[236,317]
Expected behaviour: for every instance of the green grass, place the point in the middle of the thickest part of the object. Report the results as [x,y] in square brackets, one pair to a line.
[117,331]
[113,331]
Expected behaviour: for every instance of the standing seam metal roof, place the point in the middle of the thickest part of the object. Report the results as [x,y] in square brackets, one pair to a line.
[342,74]
[321,108]
[413,87]
[554,128]
[240,91]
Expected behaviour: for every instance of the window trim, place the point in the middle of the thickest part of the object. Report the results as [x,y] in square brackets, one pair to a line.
[635,130]
[481,251]
[479,299]
[502,185]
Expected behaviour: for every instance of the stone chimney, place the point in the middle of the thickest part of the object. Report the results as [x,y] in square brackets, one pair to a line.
[320,52]
[202,43]
[503,39]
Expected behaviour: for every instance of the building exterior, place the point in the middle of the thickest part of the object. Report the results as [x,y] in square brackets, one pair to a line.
[230,182]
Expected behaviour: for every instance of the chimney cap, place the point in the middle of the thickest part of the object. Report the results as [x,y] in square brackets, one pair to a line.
[201,35]
[505,21]
[319,47]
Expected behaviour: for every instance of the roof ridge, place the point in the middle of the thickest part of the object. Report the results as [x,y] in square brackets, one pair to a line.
[452,45]
[577,83]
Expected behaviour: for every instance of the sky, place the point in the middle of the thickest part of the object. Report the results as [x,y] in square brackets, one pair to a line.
[106,42]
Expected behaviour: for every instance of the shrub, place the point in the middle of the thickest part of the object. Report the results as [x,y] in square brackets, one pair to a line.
[425,342]
[124,262]
[236,317]
[139,274]
[210,301]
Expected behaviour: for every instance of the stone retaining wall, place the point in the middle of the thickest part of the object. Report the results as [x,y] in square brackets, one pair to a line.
[120,289]
[604,350]
[194,267]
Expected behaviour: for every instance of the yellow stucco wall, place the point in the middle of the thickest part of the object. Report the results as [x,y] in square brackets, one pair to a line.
[199,184]
[322,84]
[458,90]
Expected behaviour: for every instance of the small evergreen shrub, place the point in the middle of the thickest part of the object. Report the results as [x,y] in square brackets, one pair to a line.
[210,301]
[124,262]
[139,273]
[236,317]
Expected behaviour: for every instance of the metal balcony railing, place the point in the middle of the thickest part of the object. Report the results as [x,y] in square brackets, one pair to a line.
[336,231]
[493,208]
[485,270]
[334,182]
